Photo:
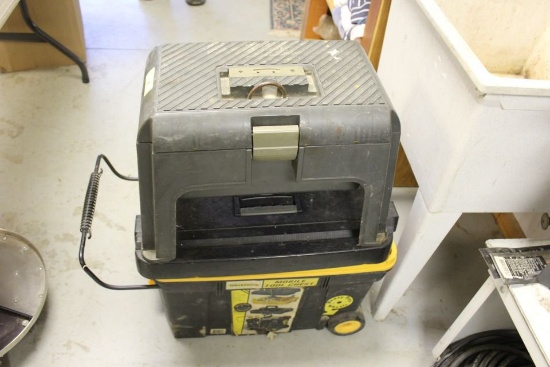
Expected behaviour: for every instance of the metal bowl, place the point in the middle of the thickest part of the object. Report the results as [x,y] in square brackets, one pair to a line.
[22,288]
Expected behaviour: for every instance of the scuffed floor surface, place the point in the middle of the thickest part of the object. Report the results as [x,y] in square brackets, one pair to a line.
[51,129]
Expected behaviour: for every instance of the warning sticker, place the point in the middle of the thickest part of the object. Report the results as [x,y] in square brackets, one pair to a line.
[519,267]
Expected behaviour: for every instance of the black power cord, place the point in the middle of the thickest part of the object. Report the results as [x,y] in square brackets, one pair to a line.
[86,223]
[495,348]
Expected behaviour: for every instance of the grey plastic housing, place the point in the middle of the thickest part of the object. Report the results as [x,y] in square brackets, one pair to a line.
[195,131]
[544,277]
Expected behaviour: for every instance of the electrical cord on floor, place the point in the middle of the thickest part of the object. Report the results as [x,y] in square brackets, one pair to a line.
[495,348]
[86,224]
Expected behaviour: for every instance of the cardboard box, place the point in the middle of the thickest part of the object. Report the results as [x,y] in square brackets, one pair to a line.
[61,19]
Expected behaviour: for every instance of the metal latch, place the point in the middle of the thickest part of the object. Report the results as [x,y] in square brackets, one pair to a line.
[275,143]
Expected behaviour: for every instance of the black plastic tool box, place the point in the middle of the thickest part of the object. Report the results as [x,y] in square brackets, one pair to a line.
[265,175]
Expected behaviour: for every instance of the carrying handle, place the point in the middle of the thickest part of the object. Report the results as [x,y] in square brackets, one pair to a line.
[266,205]
[86,223]
[258,86]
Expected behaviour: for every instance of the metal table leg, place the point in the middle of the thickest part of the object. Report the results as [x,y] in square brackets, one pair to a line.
[41,36]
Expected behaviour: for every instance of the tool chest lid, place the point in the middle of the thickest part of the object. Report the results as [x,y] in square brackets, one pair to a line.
[187,78]
[195,92]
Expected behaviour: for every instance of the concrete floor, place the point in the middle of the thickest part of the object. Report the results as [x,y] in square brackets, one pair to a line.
[51,129]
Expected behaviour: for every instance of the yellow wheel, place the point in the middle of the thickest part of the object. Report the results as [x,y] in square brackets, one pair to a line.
[348,327]
[346,323]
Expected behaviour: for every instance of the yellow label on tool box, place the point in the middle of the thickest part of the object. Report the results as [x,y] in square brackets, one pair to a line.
[271,283]
[263,306]
[240,305]
[244,284]
[284,283]
[336,303]
[264,310]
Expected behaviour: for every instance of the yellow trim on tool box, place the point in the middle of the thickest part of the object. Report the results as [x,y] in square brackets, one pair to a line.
[344,270]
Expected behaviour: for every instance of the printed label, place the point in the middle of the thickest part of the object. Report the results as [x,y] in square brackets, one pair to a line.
[244,284]
[336,303]
[272,283]
[283,283]
[519,267]
[149,81]
[264,310]
[503,267]
[263,306]
[239,298]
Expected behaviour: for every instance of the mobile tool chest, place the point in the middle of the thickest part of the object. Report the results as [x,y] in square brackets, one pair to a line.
[265,175]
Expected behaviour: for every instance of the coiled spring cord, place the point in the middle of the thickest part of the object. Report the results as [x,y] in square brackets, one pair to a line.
[88,216]
[496,348]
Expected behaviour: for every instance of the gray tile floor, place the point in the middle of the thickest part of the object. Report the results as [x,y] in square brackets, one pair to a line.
[51,129]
